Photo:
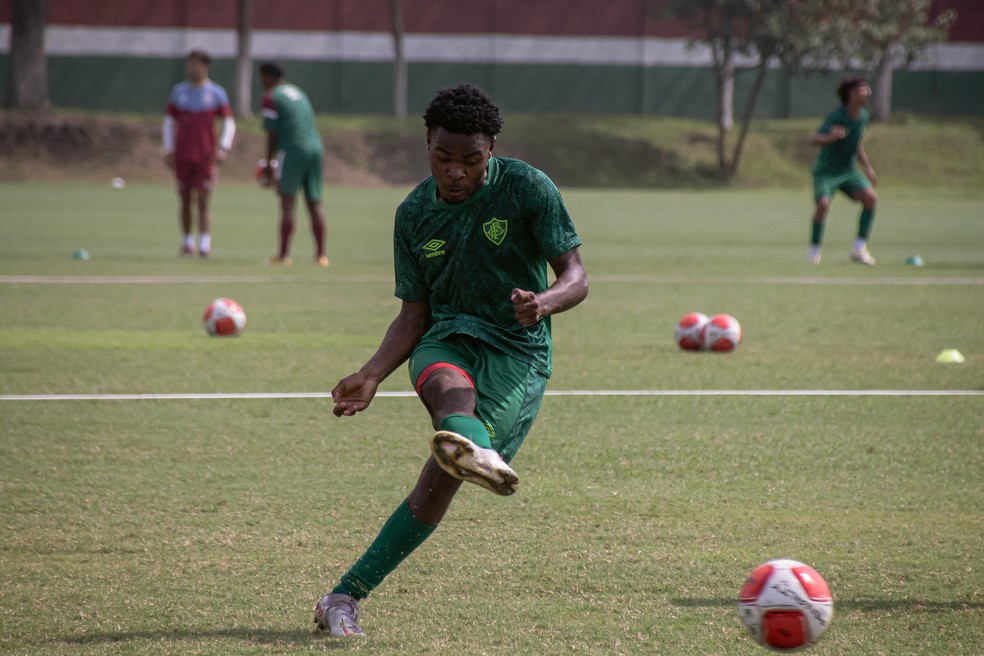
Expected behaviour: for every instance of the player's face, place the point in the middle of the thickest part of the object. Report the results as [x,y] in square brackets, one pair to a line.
[197,70]
[458,162]
[861,93]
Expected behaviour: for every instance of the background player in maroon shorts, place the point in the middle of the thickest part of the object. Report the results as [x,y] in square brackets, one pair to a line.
[191,148]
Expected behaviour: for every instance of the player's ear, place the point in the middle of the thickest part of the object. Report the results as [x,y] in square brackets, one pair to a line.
[491,145]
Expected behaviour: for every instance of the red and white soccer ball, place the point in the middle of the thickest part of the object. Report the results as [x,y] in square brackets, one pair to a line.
[224,318]
[689,332]
[785,605]
[262,179]
[721,333]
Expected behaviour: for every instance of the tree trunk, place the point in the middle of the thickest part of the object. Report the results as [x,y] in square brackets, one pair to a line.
[882,105]
[746,119]
[726,89]
[722,52]
[400,74]
[27,78]
[244,58]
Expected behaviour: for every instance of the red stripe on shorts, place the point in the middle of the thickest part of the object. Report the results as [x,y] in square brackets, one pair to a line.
[429,369]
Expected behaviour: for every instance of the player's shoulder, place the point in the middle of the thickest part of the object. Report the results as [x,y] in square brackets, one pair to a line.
[512,173]
[216,88]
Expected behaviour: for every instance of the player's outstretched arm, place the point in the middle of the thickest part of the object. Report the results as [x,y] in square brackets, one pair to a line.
[569,289]
[353,393]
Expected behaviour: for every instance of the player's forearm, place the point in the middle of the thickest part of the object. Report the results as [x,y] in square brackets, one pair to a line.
[228,134]
[863,157]
[271,146]
[570,287]
[168,130]
[401,337]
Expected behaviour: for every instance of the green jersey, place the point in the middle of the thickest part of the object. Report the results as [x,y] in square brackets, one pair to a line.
[465,259]
[287,111]
[840,156]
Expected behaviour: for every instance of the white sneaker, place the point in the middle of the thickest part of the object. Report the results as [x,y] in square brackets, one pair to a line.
[862,256]
[813,257]
[339,615]
[463,459]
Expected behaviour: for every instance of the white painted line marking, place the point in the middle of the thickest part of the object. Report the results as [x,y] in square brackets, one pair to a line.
[327,395]
[639,279]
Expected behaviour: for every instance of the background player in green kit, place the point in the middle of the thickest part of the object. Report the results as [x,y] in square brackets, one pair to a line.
[472,244]
[841,143]
[294,143]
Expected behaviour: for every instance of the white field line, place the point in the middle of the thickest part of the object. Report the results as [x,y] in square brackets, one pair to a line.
[327,395]
[760,280]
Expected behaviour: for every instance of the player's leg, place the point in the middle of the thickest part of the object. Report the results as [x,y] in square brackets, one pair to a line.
[286,230]
[313,190]
[183,174]
[405,530]
[442,373]
[822,196]
[868,198]
[206,182]
[204,194]
[290,170]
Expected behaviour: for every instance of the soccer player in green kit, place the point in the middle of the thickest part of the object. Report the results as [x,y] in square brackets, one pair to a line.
[841,143]
[472,244]
[294,143]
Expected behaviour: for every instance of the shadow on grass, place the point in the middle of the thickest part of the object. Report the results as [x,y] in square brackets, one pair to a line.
[258,637]
[857,603]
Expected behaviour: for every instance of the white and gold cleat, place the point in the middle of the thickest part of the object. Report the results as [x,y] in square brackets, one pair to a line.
[465,460]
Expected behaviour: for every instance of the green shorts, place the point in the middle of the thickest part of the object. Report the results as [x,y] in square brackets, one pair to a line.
[508,392]
[850,182]
[301,168]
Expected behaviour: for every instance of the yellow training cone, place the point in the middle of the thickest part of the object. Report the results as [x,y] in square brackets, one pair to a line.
[950,355]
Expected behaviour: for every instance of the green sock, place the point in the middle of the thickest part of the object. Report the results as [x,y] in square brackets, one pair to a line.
[864,224]
[470,427]
[400,535]
[816,234]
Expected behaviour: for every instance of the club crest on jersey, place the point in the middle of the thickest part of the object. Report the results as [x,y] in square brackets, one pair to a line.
[496,230]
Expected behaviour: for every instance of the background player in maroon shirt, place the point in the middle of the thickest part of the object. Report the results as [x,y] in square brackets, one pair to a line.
[191,148]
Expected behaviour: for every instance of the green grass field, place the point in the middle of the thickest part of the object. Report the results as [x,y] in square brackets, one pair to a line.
[211,526]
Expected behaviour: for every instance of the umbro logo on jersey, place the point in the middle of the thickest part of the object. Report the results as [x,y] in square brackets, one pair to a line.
[496,230]
[435,248]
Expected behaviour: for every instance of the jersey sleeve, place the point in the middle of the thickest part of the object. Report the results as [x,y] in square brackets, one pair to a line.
[268,110]
[410,283]
[553,226]
[172,103]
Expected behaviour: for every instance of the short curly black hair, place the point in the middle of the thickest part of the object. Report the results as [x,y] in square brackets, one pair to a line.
[463,109]
[847,85]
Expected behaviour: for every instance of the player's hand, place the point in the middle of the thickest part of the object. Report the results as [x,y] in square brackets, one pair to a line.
[527,307]
[221,155]
[837,132]
[169,160]
[353,394]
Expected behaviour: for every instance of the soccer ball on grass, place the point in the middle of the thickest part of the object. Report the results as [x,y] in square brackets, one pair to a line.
[262,179]
[785,605]
[721,333]
[224,318]
[689,331]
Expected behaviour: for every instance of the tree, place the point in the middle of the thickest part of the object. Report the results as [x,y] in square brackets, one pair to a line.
[400,74]
[27,79]
[890,34]
[767,31]
[244,58]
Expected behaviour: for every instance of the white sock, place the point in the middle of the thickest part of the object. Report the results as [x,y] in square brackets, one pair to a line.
[859,245]
[205,243]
